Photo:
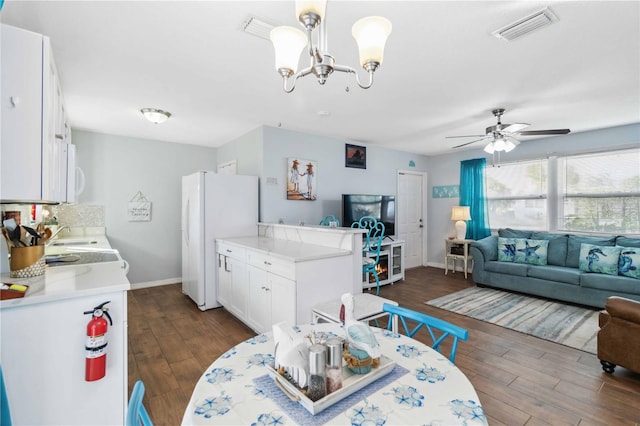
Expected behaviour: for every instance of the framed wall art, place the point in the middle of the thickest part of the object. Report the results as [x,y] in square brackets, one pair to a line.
[355,156]
[301,179]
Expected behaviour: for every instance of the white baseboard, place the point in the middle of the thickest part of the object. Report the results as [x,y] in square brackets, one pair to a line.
[158,283]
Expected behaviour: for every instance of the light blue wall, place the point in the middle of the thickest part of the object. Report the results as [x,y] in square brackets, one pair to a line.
[445,170]
[116,168]
[332,177]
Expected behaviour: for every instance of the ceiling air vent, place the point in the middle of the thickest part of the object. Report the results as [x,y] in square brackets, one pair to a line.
[257,27]
[526,25]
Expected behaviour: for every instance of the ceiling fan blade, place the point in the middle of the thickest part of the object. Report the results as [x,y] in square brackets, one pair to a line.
[515,127]
[544,132]
[467,136]
[468,143]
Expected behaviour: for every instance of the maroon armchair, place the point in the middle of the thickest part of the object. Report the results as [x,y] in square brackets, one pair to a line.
[619,335]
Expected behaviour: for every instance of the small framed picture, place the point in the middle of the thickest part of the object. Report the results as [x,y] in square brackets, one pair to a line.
[355,156]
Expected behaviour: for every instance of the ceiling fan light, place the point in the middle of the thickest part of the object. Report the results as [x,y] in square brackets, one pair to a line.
[156,116]
[508,146]
[490,148]
[371,34]
[500,144]
[288,43]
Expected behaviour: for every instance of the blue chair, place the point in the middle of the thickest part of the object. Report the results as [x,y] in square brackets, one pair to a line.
[430,324]
[5,413]
[371,246]
[136,413]
[326,221]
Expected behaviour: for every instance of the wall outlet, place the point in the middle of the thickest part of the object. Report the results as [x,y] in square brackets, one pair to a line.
[272,181]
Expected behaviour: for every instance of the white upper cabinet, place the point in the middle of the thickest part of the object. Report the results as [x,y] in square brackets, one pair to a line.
[34,128]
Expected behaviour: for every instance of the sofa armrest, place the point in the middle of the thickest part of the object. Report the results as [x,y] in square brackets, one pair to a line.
[488,247]
[627,309]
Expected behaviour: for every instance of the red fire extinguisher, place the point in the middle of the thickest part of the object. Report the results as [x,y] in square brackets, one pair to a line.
[96,344]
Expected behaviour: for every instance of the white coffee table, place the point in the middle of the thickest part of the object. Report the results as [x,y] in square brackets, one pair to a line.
[367,307]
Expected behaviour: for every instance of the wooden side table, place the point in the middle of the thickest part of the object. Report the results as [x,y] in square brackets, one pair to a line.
[457,250]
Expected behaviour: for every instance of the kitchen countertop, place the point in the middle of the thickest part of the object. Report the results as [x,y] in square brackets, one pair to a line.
[293,251]
[70,281]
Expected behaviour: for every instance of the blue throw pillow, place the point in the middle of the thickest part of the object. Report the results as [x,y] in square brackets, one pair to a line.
[599,259]
[629,262]
[513,233]
[533,252]
[506,249]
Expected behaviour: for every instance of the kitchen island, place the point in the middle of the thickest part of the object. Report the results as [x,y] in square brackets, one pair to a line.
[42,343]
[283,272]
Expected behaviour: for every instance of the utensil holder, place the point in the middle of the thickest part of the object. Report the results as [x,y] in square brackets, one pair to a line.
[27,261]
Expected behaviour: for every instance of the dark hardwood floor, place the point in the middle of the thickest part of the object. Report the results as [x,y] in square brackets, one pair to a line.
[520,379]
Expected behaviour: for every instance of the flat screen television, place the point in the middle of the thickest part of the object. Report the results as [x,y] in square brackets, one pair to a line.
[382,207]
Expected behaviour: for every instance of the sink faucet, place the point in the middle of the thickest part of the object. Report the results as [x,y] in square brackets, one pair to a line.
[62,228]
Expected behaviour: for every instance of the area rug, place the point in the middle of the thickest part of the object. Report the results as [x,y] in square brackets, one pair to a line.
[568,325]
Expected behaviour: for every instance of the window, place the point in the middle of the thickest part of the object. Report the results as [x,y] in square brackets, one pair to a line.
[600,192]
[517,195]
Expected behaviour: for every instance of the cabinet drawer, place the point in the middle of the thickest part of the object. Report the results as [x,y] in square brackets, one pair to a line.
[231,250]
[270,264]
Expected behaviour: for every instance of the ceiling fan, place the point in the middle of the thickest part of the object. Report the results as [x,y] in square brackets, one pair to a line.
[501,137]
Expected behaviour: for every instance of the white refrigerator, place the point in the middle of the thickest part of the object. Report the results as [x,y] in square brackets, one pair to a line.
[213,206]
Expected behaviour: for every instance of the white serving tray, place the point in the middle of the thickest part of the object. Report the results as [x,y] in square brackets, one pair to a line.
[350,383]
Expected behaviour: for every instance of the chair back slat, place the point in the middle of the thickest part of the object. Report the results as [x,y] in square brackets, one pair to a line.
[430,323]
[136,412]
[326,221]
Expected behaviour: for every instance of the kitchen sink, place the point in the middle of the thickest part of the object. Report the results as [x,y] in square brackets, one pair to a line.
[80,258]
[73,243]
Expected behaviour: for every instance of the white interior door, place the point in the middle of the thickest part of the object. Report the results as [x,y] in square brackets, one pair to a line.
[411,218]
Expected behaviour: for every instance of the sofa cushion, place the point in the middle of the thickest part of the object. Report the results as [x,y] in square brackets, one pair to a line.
[509,268]
[627,242]
[557,250]
[599,259]
[507,249]
[555,273]
[629,262]
[513,233]
[533,252]
[573,247]
[610,283]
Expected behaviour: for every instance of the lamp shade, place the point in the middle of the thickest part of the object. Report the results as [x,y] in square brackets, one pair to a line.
[371,34]
[317,7]
[288,43]
[460,213]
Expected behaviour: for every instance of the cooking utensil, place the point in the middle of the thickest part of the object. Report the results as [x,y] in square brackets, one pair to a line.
[35,236]
[46,236]
[7,237]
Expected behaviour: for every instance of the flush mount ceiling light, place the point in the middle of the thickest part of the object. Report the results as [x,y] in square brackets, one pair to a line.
[370,33]
[156,116]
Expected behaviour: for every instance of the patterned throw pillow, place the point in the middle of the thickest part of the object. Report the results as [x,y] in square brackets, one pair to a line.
[629,262]
[599,259]
[506,249]
[533,252]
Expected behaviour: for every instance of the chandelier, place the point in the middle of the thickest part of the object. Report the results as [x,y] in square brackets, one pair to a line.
[370,33]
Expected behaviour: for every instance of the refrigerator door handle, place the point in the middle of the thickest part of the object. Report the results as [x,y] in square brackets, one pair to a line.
[186,222]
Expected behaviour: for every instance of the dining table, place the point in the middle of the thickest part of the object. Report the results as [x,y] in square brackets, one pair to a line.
[423,387]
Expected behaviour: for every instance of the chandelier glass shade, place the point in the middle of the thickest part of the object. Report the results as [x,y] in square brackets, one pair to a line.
[371,34]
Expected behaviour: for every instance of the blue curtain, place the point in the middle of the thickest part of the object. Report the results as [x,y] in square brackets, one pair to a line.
[473,194]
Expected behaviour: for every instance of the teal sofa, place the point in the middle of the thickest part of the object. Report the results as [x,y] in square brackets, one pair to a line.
[562,277]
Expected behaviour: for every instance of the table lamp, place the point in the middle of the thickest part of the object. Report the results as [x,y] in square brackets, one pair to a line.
[460,214]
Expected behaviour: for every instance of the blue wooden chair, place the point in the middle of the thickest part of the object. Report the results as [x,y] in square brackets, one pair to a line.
[136,413]
[326,221]
[371,246]
[5,412]
[430,324]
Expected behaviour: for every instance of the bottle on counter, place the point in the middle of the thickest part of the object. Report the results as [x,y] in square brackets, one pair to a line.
[317,387]
[333,370]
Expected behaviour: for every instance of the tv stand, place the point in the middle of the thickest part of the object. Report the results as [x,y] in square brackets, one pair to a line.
[391,265]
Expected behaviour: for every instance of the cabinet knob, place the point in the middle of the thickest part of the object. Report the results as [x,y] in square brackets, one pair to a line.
[267,263]
[15,100]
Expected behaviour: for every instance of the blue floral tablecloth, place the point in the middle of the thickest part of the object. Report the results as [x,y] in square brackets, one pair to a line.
[430,390]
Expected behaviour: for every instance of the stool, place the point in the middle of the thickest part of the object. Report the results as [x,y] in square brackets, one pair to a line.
[367,307]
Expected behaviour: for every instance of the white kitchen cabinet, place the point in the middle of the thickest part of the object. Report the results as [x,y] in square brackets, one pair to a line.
[272,299]
[284,279]
[34,161]
[233,287]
